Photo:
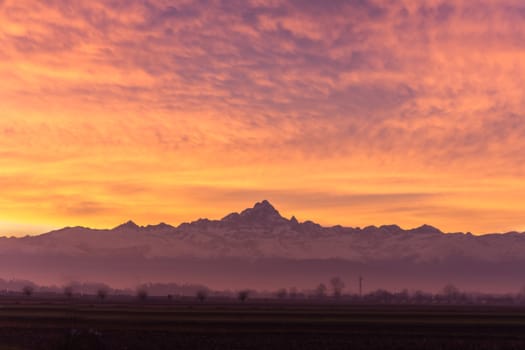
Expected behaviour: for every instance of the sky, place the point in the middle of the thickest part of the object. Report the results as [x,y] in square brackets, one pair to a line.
[353,112]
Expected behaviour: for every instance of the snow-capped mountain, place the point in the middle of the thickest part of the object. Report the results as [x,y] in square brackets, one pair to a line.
[262,232]
[256,236]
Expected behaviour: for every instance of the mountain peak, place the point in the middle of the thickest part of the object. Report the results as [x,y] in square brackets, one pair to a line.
[129,225]
[159,227]
[261,210]
[262,213]
[391,228]
[264,205]
[425,229]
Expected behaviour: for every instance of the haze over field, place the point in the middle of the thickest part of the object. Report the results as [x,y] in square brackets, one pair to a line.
[343,112]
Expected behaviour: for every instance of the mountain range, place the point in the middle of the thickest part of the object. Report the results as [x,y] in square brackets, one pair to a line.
[259,248]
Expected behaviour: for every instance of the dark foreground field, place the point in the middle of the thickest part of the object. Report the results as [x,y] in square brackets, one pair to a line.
[47,324]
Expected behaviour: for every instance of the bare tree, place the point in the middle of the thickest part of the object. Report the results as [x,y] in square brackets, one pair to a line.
[451,292]
[28,290]
[243,295]
[420,297]
[337,286]
[320,291]
[202,295]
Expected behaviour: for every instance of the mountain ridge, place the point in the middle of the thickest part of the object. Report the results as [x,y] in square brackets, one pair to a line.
[264,215]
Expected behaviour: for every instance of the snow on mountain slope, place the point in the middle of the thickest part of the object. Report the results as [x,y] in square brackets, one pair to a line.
[261,232]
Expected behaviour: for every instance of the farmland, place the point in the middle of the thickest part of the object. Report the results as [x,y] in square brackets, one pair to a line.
[46,323]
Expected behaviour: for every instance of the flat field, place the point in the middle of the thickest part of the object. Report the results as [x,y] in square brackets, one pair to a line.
[34,323]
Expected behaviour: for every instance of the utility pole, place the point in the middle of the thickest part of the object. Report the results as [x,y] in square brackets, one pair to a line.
[360,286]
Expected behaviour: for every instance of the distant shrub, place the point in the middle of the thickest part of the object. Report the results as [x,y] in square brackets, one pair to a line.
[28,290]
[202,295]
[282,293]
[243,295]
[102,293]
[142,294]
[68,291]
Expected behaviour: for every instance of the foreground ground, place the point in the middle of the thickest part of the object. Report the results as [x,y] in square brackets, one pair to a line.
[83,324]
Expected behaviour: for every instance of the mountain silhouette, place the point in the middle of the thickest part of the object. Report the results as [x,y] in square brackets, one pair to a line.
[264,247]
[129,225]
[262,214]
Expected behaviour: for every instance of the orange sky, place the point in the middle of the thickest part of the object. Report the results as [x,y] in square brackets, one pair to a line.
[342,112]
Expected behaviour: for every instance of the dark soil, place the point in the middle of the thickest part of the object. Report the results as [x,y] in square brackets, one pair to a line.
[257,325]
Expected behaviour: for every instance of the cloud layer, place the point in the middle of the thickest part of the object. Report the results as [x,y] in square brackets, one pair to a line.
[160,110]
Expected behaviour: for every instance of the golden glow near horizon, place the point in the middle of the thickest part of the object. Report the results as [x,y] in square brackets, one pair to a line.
[353,113]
